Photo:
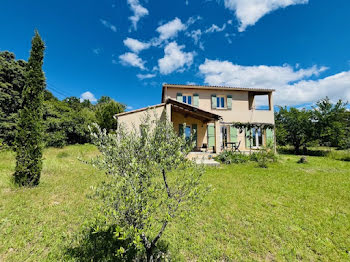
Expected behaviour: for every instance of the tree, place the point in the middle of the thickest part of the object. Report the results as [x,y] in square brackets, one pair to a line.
[11,85]
[29,128]
[151,182]
[330,122]
[104,99]
[105,113]
[295,127]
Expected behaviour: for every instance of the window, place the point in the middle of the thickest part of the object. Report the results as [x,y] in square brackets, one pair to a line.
[220,102]
[188,133]
[187,99]
[257,140]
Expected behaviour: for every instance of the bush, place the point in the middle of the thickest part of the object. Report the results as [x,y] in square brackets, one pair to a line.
[229,157]
[262,157]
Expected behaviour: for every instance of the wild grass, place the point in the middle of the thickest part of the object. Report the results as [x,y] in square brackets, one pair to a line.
[36,223]
[286,212]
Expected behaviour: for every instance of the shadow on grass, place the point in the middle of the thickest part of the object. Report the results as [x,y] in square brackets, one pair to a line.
[308,152]
[103,245]
[342,155]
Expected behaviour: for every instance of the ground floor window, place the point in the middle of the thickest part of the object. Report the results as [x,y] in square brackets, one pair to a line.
[256,139]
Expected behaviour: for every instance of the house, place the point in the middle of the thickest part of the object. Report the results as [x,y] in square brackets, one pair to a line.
[220,117]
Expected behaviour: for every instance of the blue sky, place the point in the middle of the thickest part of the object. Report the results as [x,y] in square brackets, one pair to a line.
[126,49]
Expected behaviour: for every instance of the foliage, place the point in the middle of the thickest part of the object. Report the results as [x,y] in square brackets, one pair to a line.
[11,85]
[262,156]
[294,127]
[229,157]
[106,109]
[66,123]
[29,141]
[329,122]
[152,183]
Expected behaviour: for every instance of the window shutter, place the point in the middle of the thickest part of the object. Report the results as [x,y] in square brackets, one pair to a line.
[211,135]
[229,102]
[179,97]
[247,137]
[195,100]
[181,129]
[213,101]
[194,130]
[233,134]
[269,136]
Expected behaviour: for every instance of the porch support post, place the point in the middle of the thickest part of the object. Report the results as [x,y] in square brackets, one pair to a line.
[168,112]
[217,137]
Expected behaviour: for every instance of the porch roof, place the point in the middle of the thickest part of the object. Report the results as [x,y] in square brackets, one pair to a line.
[192,111]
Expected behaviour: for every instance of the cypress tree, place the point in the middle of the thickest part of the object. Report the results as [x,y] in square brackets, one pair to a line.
[29,142]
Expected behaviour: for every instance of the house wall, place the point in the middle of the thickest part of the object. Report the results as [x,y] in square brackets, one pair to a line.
[133,120]
[240,105]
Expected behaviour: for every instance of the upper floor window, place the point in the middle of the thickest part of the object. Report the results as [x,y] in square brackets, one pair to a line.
[220,102]
[187,99]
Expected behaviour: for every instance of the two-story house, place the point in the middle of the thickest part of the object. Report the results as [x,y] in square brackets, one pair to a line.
[219,117]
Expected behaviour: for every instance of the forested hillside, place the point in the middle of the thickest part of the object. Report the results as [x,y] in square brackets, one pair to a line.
[66,122]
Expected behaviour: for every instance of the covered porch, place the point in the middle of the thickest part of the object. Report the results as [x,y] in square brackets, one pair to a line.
[203,125]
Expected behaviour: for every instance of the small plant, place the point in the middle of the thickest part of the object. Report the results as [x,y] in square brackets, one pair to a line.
[62,155]
[228,157]
[151,183]
[302,160]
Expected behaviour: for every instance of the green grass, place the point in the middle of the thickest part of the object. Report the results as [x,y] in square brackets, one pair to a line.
[286,212]
[36,223]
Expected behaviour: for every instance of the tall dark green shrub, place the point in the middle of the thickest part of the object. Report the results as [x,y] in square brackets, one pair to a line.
[28,141]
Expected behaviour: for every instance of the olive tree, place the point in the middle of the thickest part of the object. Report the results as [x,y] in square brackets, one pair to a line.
[151,182]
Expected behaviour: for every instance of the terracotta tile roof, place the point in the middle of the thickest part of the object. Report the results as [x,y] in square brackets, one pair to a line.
[219,87]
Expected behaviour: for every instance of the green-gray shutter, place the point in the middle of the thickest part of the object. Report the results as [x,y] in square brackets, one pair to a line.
[269,136]
[195,100]
[233,134]
[247,137]
[179,97]
[213,101]
[194,130]
[181,129]
[211,135]
[229,102]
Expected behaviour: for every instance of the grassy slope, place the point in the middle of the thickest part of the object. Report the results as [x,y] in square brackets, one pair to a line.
[34,223]
[286,212]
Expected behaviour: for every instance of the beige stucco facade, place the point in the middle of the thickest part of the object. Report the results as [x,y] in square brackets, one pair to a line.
[212,125]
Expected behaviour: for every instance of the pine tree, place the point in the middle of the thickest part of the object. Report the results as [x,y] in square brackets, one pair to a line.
[29,144]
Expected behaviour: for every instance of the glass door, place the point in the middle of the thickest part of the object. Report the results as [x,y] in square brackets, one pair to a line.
[223,136]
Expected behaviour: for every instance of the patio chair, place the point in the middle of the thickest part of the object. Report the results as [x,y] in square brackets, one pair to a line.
[236,147]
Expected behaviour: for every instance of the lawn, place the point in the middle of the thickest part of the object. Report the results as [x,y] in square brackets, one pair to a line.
[287,212]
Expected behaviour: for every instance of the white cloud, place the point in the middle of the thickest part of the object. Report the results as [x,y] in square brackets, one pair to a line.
[135,45]
[138,10]
[195,35]
[170,29]
[108,25]
[174,59]
[131,59]
[145,76]
[293,86]
[88,96]
[248,12]
[129,108]
[97,51]
[215,28]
